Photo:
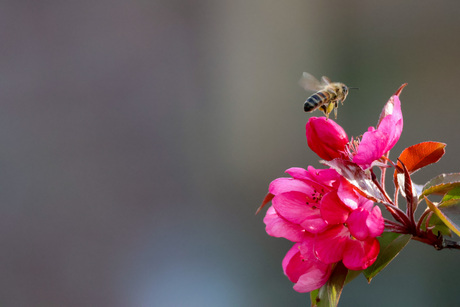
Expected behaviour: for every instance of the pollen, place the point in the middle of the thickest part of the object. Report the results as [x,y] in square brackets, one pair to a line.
[317,196]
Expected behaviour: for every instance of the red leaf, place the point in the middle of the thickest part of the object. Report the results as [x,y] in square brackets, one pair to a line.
[420,155]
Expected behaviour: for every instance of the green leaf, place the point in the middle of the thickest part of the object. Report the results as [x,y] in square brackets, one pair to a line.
[390,245]
[441,184]
[329,294]
[314,297]
[448,212]
[436,225]
[452,194]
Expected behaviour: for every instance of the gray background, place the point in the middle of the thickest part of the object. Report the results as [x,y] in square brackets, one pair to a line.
[137,139]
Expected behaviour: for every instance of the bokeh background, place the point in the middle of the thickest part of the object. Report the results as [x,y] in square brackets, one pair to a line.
[137,139]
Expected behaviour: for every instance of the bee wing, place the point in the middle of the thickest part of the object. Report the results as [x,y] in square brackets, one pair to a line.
[325,80]
[309,82]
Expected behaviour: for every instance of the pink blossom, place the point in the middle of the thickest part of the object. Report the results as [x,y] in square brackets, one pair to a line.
[326,138]
[304,269]
[377,142]
[296,202]
[328,220]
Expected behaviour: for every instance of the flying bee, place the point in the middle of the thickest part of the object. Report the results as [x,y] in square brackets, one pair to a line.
[328,94]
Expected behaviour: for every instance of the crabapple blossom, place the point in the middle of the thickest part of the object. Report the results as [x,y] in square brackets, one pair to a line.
[377,142]
[328,220]
[326,138]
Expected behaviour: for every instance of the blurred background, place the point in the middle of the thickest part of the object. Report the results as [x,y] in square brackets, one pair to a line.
[137,139]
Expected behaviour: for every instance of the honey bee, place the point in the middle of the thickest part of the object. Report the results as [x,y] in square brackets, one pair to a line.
[328,94]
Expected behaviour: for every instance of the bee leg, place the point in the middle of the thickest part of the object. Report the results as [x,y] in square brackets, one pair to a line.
[324,109]
[336,108]
[330,107]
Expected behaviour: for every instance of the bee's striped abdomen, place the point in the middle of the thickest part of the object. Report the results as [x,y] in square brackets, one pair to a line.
[316,100]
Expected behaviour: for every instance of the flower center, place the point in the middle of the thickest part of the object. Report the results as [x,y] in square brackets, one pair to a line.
[352,147]
[315,198]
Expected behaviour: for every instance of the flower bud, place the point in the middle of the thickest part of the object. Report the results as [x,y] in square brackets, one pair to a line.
[326,138]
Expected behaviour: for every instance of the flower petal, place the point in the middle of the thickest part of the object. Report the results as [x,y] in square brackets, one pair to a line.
[291,255]
[359,255]
[283,185]
[307,272]
[375,222]
[314,279]
[321,176]
[298,173]
[392,122]
[278,227]
[371,148]
[333,211]
[366,222]
[347,194]
[326,138]
[330,244]
[376,143]
[357,224]
[293,207]
[324,176]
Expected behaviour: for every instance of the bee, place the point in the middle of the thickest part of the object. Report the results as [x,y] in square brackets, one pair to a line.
[328,94]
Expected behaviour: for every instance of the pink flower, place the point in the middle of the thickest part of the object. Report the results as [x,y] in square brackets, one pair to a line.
[328,220]
[295,215]
[304,269]
[296,201]
[377,142]
[326,138]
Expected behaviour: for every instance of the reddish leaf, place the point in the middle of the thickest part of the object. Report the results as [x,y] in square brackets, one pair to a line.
[420,155]
[267,199]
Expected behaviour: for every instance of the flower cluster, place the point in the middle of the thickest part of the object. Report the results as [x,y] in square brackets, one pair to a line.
[329,140]
[328,220]
[327,217]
